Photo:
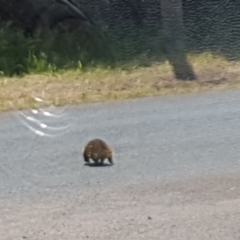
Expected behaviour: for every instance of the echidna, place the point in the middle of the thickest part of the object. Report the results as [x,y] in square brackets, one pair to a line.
[97,149]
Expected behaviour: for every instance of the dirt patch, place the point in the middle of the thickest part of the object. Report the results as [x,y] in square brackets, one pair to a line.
[200,209]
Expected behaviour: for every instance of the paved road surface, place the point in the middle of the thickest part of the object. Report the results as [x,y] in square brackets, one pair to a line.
[176,172]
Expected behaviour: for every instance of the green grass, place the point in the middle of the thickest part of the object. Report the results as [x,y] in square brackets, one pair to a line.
[50,52]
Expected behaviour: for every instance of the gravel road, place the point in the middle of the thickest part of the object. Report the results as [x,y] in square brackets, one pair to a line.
[176,172]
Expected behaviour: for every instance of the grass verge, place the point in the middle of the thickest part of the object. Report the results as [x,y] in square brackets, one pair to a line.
[98,84]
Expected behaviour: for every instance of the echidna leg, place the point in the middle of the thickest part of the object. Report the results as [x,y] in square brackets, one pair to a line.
[86,159]
[96,161]
[110,160]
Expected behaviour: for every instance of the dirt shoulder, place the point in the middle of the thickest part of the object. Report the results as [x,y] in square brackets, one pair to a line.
[203,208]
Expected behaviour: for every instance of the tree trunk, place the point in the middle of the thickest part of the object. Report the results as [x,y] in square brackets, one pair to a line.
[174,38]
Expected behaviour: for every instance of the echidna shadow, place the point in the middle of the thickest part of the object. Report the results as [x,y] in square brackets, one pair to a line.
[97,150]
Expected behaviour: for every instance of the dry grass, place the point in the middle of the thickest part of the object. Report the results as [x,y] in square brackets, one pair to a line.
[100,85]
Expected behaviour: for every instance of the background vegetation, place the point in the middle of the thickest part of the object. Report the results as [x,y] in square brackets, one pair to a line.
[212,26]
[112,50]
